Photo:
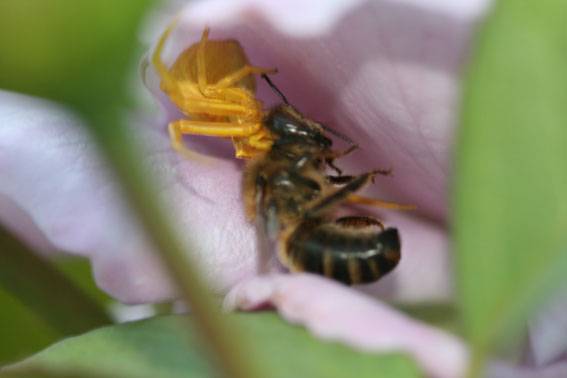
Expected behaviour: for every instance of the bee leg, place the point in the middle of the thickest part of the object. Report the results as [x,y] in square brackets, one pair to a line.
[361,200]
[339,180]
[338,154]
[330,163]
[355,199]
[346,193]
[359,222]
[339,195]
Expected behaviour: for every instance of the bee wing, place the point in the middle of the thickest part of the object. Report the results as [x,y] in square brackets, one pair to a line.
[267,227]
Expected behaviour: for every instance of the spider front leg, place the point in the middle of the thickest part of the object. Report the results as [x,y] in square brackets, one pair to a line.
[240,74]
[219,129]
[211,89]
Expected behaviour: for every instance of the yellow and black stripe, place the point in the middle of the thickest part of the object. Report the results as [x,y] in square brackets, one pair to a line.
[351,256]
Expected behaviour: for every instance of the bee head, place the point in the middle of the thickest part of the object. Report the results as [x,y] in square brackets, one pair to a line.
[289,126]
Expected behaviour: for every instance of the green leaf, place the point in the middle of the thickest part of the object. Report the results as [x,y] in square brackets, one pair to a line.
[78,53]
[157,348]
[441,315]
[79,271]
[41,287]
[511,184]
[81,54]
[22,332]
[42,373]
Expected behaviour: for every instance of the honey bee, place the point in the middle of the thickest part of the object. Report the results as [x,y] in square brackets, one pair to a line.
[285,184]
[288,189]
[212,83]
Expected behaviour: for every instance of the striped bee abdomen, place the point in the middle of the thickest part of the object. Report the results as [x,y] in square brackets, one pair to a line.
[352,253]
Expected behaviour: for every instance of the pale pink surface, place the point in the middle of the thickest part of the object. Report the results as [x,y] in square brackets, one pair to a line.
[333,312]
[500,370]
[60,190]
[548,331]
[385,73]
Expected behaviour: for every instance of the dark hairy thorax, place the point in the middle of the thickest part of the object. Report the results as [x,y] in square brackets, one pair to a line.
[293,171]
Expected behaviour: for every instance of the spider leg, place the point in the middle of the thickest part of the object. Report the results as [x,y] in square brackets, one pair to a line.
[160,66]
[211,107]
[241,73]
[201,69]
[221,129]
[252,146]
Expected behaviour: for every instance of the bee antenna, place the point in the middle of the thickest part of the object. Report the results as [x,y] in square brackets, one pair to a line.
[338,134]
[326,128]
[273,86]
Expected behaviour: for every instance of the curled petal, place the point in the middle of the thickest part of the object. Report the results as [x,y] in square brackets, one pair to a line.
[53,176]
[335,312]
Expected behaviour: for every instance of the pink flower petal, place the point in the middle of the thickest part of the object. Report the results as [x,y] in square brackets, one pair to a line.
[355,65]
[425,269]
[334,312]
[384,73]
[548,331]
[51,172]
[502,370]
[17,221]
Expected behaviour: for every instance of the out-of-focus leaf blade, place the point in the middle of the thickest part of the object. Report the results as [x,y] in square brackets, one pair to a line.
[73,52]
[155,348]
[79,53]
[51,373]
[78,270]
[22,331]
[41,287]
[511,184]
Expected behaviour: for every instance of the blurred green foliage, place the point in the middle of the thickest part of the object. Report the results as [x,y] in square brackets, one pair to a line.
[75,52]
[511,182]
[22,331]
[156,348]
[79,270]
[79,53]
[510,207]
[31,281]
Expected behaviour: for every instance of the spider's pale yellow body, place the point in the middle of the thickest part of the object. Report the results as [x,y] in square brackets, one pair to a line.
[212,83]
